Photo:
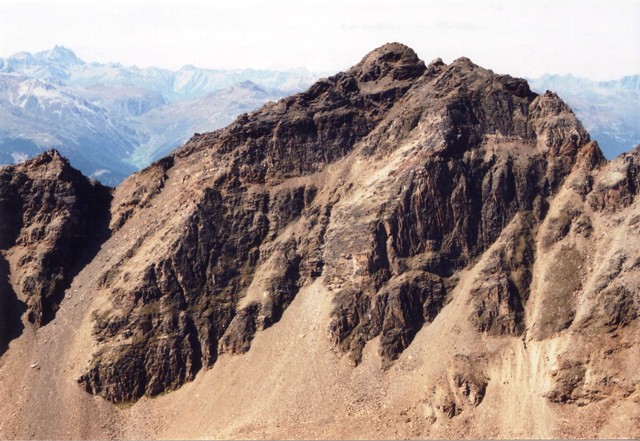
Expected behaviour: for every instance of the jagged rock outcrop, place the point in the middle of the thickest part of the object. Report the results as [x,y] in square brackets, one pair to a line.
[236,225]
[402,191]
[52,221]
[463,385]
[267,216]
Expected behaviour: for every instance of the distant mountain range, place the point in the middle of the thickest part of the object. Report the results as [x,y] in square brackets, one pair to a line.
[111,120]
[610,110]
[37,114]
[61,66]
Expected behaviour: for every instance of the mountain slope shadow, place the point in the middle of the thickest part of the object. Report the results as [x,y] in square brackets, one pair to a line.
[53,221]
[77,245]
[11,309]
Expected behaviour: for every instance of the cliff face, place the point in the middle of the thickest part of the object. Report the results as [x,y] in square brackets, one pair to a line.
[268,216]
[421,199]
[52,221]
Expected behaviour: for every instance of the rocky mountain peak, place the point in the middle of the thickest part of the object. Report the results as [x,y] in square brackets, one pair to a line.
[395,60]
[52,218]
[52,157]
[51,165]
[427,223]
[62,56]
[464,63]
[462,152]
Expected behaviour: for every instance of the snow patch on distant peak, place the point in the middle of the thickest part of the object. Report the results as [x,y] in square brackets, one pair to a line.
[100,172]
[62,55]
[19,157]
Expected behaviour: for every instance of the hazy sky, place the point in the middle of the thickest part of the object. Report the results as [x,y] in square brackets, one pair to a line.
[599,39]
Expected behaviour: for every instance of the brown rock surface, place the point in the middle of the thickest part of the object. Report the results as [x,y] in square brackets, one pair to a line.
[401,251]
[52,221]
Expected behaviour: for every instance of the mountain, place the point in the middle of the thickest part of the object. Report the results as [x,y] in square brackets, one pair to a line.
[36,115]
[54,65]
[608,109]
[55,218]
[401,251]
[111,120]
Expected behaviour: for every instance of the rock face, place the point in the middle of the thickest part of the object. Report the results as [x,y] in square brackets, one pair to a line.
[403,190]
[189,299]
[52,221]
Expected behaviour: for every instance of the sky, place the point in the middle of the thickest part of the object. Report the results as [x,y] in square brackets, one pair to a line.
[597,39]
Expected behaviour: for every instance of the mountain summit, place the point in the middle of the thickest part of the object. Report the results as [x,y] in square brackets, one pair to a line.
[402,250]
[61,56]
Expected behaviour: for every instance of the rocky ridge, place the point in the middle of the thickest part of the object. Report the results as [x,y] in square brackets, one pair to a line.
[52,221]
[401,188]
